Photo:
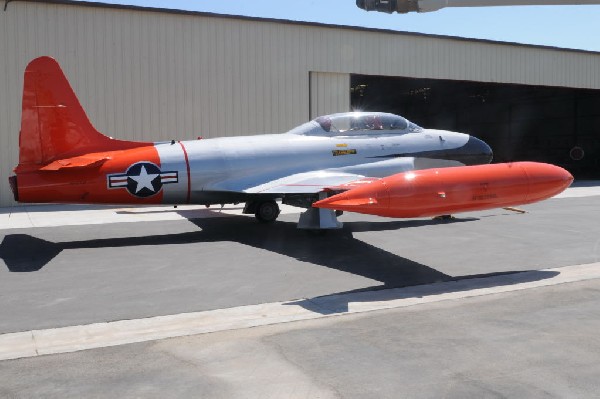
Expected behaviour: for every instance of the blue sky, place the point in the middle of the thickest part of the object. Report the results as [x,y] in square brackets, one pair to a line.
[576,27]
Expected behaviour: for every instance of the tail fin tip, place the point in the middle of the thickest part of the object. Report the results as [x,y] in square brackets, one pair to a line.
[53,122]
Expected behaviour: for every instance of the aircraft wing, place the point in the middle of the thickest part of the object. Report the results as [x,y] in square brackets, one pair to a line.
[310,183]
[340,179]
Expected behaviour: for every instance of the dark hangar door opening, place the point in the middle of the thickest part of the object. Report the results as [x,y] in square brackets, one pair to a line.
[520,122]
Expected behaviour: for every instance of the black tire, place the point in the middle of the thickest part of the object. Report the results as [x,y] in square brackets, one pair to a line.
[267,212]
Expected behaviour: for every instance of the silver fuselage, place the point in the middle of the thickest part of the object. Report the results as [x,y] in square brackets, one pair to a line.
[231,167]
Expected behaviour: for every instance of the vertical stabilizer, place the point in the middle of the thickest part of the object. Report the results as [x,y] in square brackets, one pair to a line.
[53,123]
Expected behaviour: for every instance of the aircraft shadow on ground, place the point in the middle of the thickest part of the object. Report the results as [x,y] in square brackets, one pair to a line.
[340,302]
[338,250]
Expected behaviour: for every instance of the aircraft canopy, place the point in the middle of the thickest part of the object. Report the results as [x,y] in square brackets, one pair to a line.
[356,123]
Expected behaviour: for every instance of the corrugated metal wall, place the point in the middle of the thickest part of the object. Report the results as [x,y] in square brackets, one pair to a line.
[325,90]
[154,76]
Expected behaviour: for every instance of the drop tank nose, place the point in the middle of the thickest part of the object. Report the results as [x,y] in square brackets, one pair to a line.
[545,180]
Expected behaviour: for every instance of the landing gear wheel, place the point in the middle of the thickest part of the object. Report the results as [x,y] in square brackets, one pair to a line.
[267,212]
[444,218]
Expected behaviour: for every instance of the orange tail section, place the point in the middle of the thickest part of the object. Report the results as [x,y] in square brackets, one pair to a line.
[54,126]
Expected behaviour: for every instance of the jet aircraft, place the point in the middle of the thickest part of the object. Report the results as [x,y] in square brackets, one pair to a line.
[406,6]
[64,159]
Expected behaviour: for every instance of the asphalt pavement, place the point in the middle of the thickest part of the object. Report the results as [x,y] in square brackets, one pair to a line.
[539,341]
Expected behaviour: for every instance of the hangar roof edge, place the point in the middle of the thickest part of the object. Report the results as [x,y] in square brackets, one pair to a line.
[85,3]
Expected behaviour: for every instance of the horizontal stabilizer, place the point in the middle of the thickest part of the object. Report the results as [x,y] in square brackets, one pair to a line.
[84,161]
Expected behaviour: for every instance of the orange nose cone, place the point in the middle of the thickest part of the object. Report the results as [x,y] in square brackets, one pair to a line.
[347,202]
[566,177]
[546,180]
[369,199]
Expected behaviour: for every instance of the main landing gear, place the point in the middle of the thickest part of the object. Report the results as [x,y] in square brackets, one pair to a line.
[313,219]
[264,211]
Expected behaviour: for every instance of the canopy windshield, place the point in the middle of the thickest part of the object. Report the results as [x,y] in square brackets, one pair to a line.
[357,123]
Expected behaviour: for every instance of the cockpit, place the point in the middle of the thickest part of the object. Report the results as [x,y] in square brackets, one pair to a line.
[357,124]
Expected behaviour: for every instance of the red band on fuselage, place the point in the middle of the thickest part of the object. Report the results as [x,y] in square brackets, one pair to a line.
[189,177]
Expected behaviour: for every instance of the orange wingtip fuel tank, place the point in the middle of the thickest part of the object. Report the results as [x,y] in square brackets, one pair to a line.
[434,192]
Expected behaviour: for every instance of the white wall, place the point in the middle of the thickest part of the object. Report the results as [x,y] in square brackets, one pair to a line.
[326,90]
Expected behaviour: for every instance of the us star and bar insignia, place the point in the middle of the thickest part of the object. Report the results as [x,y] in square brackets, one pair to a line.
[142,179]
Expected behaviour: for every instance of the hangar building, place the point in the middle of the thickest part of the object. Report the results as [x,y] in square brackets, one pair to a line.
[152,74]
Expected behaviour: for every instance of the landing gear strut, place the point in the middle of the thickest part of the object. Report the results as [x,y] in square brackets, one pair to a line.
[316,219]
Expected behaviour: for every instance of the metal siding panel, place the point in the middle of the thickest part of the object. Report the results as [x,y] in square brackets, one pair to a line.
[7,122]
[330,93]
[261,70]
[141,77]
[285,71]
[198,61]
[122,78]
[251,77]
[232,91]
[213,86]
[276,63]
[99,77]
[189,85]
[204,66]
[431,59]
[293,78]
[170,127]
[240,90]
